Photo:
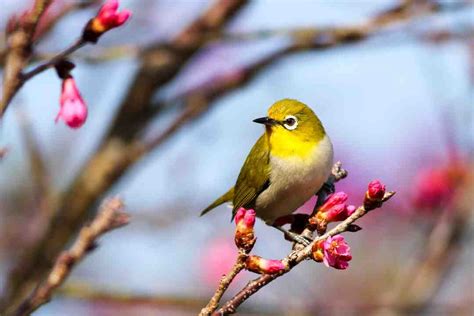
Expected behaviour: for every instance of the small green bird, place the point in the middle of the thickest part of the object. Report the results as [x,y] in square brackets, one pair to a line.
[287,165]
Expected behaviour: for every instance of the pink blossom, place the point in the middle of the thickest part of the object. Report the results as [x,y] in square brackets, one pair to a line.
[337,252]
[376,190]
[73,110]
[264,266]
[108,17]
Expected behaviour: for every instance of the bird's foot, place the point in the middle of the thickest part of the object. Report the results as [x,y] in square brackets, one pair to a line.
[300,239]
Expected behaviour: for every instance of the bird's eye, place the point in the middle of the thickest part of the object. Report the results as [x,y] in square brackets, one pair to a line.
[290,122]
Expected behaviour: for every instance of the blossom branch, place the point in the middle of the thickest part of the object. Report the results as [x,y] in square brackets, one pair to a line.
[296,257]
[110,217]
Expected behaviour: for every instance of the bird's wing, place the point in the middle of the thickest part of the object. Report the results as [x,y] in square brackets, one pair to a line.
[254,176]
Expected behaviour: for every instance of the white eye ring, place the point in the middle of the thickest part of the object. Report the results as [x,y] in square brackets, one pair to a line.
[290,122]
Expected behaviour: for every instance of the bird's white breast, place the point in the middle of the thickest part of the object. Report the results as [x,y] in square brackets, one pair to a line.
[293,180]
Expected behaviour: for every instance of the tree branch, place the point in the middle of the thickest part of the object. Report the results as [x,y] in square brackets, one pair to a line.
[226,280]
[290,261]
[109,217]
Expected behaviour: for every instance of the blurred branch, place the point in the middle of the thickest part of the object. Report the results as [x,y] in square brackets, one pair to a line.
[119,149]
[110,217]
[90,293]
[39,172]
[293,259]
[3,152]
[85,292]
[76,290]
[19,51]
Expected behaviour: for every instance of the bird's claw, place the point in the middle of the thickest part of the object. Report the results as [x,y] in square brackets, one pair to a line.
[300,239]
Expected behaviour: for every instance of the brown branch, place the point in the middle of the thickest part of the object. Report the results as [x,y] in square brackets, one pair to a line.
[42,193]
[290,261]
[54,60]
[226,280]
[110,216]
[20,43]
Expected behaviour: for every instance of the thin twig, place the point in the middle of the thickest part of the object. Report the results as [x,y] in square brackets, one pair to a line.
[110,216]
[293,259]
[53,61]
[226,280]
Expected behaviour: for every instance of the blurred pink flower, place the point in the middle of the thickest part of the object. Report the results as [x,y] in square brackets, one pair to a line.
[264,266]
[108,17]
[73,110]
[337,252]
[436,187]
[216,260]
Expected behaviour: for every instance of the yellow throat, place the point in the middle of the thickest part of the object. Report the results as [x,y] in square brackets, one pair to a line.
[299,139]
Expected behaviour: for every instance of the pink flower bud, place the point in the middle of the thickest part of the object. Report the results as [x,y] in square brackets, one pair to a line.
[376,190]
[108,16]
[334,209]
[244,234]
[73,110]
[374,195]
[337,252]
[332,201]
[264,266]
[106,19]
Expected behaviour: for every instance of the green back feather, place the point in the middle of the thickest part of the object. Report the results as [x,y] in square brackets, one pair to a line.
[254,176]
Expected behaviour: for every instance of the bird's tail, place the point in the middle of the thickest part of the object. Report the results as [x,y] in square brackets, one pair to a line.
[227,197]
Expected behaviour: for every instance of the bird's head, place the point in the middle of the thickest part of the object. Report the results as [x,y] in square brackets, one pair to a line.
[292,119]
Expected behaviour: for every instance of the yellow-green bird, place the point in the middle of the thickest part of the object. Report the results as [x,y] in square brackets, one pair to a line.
[287,165]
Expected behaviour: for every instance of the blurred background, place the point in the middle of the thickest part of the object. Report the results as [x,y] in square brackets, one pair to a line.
[394,93]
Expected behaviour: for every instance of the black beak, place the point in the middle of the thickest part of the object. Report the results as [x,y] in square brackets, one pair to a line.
[266,120]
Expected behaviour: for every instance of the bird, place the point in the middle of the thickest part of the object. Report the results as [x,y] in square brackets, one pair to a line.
[287,165]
